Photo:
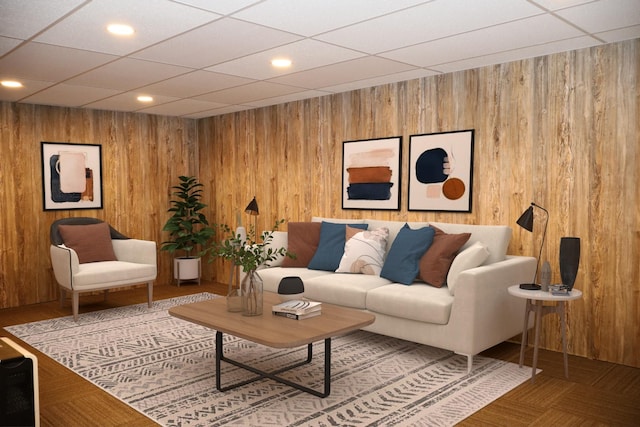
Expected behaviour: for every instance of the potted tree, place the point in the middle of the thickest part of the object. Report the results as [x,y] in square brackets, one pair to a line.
[188,229]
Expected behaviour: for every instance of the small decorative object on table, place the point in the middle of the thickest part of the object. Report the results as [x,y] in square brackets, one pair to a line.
[290,287]
[569,260]
[246,252]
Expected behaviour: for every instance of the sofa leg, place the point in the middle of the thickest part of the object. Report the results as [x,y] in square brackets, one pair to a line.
[75,303]
[469,363]
[106,293]
[150,294]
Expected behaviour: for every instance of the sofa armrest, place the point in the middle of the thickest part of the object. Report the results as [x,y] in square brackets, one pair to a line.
[483,307]
[65,264]
[136,251]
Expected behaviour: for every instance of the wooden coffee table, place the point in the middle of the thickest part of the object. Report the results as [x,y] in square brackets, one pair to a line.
[274,331]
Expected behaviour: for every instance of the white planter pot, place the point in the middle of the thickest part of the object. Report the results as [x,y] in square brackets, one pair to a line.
[186,268]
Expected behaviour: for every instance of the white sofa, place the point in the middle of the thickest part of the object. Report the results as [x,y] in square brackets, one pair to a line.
[473,316]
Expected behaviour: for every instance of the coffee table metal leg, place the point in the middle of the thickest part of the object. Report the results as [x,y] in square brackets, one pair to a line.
[273,375]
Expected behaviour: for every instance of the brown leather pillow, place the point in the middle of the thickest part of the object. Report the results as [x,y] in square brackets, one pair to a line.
[435,263]
[303,238]
[92,242]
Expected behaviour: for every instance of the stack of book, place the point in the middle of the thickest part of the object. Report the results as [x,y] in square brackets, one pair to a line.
[297,309]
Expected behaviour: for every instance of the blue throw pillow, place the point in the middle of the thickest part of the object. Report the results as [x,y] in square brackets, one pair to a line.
[403,260]
[331,246]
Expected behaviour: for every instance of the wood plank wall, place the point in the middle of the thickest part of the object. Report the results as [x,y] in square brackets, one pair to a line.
[560,130]
[141,157]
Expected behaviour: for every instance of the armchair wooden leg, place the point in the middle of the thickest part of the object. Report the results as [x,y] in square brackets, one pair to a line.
[106,293]
[150,294]
[75,303]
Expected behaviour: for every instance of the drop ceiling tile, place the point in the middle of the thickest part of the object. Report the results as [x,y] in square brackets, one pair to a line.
[69,95]
[223,7]
[181,107]
[28,88]
[23,19]
[226,39]
[521,34]
[288,98]
[86,29]
[305,54]
[331,75]
[248,93]
[377,81]
[37,61]
[604,15]
[310,17]
[627,33]
[126,102]
[126,74]
[517,54]
[559,4]
[7,43]
[195,83]
[427,22]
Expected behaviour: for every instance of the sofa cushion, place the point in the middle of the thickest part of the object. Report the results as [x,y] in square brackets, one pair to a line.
[495,237]
[402,263]
[331,246]
[271,276]
[347,290]
[302,240]
[394,228]
[418,302]
[92,242]
[435,263]
[364,252]
[471,257]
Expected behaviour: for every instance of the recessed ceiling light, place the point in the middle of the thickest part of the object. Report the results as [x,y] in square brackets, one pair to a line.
[145,98]
[11,83]
[281,62]
[120,29]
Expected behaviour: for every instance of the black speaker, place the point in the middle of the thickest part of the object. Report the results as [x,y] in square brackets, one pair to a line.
[19,403]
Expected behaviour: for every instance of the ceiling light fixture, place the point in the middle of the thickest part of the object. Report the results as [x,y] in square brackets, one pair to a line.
[11,84]
[120,29]
[145,98]
[281,62]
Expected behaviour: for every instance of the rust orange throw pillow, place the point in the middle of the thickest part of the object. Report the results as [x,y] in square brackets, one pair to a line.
[92,242]
[303,239]
[435,263]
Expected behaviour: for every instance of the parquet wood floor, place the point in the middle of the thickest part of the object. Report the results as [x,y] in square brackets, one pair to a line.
[596,393]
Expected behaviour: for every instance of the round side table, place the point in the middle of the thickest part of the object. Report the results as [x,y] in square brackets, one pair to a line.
[535,301]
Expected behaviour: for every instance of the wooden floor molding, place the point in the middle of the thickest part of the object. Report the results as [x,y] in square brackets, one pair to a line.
[596,393]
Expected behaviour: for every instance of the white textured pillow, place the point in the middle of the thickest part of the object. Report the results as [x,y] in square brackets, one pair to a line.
[279,240]
[364,252]
[471,257]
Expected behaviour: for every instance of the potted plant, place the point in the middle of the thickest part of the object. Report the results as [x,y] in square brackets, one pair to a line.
[188,228]
[250,254]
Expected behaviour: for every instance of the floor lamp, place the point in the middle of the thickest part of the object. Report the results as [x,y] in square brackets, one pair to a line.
[526,221]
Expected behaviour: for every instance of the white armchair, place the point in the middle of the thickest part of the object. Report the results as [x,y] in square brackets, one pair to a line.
[88,255]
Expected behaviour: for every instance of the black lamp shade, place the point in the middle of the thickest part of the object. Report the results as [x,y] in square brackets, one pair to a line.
[252,207]
[526,219]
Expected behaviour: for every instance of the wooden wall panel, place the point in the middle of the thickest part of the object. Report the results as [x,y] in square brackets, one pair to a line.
[142,156]
[560,130]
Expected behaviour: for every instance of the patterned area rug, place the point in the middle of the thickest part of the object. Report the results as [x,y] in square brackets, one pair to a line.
[165,368]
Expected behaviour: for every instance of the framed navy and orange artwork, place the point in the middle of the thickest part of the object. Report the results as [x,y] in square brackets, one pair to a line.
[371,172]
[441,171]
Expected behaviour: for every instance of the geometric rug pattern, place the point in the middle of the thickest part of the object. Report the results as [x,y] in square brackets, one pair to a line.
[164,367]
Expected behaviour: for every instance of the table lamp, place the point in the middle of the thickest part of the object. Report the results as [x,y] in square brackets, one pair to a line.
[526,221]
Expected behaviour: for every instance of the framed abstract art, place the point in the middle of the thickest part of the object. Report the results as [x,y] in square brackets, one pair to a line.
[371,173]
[441,171]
